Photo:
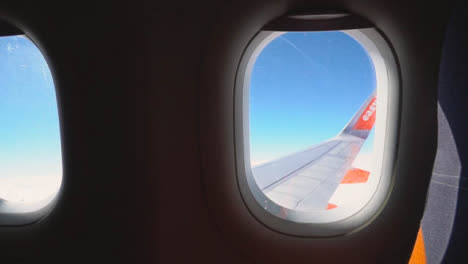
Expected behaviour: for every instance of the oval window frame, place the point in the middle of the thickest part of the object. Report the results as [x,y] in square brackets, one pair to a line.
[308,224]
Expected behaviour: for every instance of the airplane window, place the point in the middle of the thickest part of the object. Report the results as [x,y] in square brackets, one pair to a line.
[314,121]
[305,88]
[30,149]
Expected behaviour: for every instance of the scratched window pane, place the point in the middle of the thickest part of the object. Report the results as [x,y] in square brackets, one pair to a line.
[30,151]
[312,109]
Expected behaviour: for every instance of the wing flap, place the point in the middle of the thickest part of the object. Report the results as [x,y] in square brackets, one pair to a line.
[272,172]
[311,187]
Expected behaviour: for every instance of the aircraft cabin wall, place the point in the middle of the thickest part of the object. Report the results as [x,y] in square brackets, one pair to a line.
[145,95]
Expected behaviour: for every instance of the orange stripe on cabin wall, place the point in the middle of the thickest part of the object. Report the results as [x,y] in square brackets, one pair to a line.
[356,176]
[419,252]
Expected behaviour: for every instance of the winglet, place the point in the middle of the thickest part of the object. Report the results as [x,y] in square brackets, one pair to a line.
[362,122]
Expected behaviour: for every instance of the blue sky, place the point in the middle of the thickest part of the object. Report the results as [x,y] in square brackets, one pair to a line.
[29,133]
[305,88]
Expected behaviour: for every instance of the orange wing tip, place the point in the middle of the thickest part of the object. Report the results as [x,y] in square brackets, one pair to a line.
[331,206]
[356,176]
[367,119]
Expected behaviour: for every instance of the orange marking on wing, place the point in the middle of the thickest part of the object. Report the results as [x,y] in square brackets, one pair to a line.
[419,252]
[367,119]
[356,176]
[331,206]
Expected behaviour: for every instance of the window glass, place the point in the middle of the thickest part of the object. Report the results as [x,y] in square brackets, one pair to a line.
[312,109]
[30,150]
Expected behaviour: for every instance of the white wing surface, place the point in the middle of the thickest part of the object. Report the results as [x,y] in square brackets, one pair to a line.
[307,179]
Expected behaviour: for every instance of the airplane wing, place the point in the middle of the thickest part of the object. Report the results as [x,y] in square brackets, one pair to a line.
[307,179]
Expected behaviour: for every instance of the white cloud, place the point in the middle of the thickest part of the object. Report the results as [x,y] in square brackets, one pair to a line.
[10,48]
